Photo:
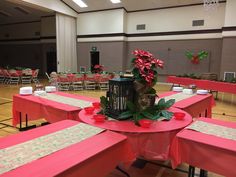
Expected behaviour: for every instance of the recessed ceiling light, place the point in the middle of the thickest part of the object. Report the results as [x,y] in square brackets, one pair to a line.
[115,1]
[80,3]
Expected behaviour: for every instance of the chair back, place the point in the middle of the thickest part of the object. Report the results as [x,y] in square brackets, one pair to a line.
[27,72]
[13,72]
[35,73]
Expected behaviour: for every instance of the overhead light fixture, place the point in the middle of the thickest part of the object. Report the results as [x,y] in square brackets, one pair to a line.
[115,1]
[80,3]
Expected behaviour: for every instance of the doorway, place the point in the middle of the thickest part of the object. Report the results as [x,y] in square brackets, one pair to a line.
[94,59]
[51,62]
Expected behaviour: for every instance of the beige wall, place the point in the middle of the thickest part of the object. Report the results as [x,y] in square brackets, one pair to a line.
[116,56]
[111,54]
[228,62]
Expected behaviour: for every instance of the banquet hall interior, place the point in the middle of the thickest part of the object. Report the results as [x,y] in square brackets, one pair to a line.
[79,48]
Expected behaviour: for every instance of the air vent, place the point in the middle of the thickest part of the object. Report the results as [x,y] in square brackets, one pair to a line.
[22,10]
[37,33]
[141,27]
[229,76]
[198,23]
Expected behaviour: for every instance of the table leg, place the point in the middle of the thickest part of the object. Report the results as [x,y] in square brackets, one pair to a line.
[191,171]
[203,173]
[20,121]
[122,171]
[208,112]
[26,120]
[26,124]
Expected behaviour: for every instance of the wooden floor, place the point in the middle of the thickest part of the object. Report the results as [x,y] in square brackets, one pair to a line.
[225,109]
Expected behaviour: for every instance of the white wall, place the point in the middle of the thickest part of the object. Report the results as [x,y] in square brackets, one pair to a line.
[165,20]
[175,19]
[102,22]
[230,13]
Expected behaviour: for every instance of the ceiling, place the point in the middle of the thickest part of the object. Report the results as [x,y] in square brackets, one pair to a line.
[129,5]
[13,11]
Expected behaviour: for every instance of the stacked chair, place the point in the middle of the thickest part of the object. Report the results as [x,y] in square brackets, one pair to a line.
[35,76]
[2,77]
[26,77]
[14,77]
[6,76]
[103,83]
[78,82]
[63,82]
[90,82]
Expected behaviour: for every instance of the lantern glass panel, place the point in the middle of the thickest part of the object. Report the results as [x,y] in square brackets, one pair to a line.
[120,91]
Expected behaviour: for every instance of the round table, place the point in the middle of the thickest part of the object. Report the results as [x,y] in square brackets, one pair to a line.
[151,143]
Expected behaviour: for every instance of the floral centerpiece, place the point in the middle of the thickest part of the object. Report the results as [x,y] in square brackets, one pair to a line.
[145,71]
[98,68]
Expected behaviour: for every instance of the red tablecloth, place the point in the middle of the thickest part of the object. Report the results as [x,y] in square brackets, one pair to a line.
[198,105]
[207,152]
[37,107]
[204,84]
[93,157]
[151,143]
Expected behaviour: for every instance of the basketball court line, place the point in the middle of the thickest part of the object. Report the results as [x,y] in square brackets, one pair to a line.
[6,99]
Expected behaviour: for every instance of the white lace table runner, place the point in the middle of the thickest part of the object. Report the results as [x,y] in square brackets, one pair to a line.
[67,100]
[23,153]
[213,129]
[177,97]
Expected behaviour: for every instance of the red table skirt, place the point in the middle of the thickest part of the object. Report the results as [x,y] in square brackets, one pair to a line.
[92,157]
[204,84]
[204,151]
[37,107]
[198,105]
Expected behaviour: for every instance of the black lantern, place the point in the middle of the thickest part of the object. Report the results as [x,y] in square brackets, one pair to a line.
[120,91]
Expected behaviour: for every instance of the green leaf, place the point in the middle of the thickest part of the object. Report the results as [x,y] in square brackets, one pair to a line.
[169,103]
[131,106]
[151,91]
[147,114]
[202,55]
[104,104]
[166,114]
[133,59]
[156,116]
[125,115]
[161,104]
[189,55]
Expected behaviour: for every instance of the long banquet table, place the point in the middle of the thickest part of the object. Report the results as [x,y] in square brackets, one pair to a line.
[35,107]
[204,84]
[207,151]
[151,143]
[91,157]
[195,105]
